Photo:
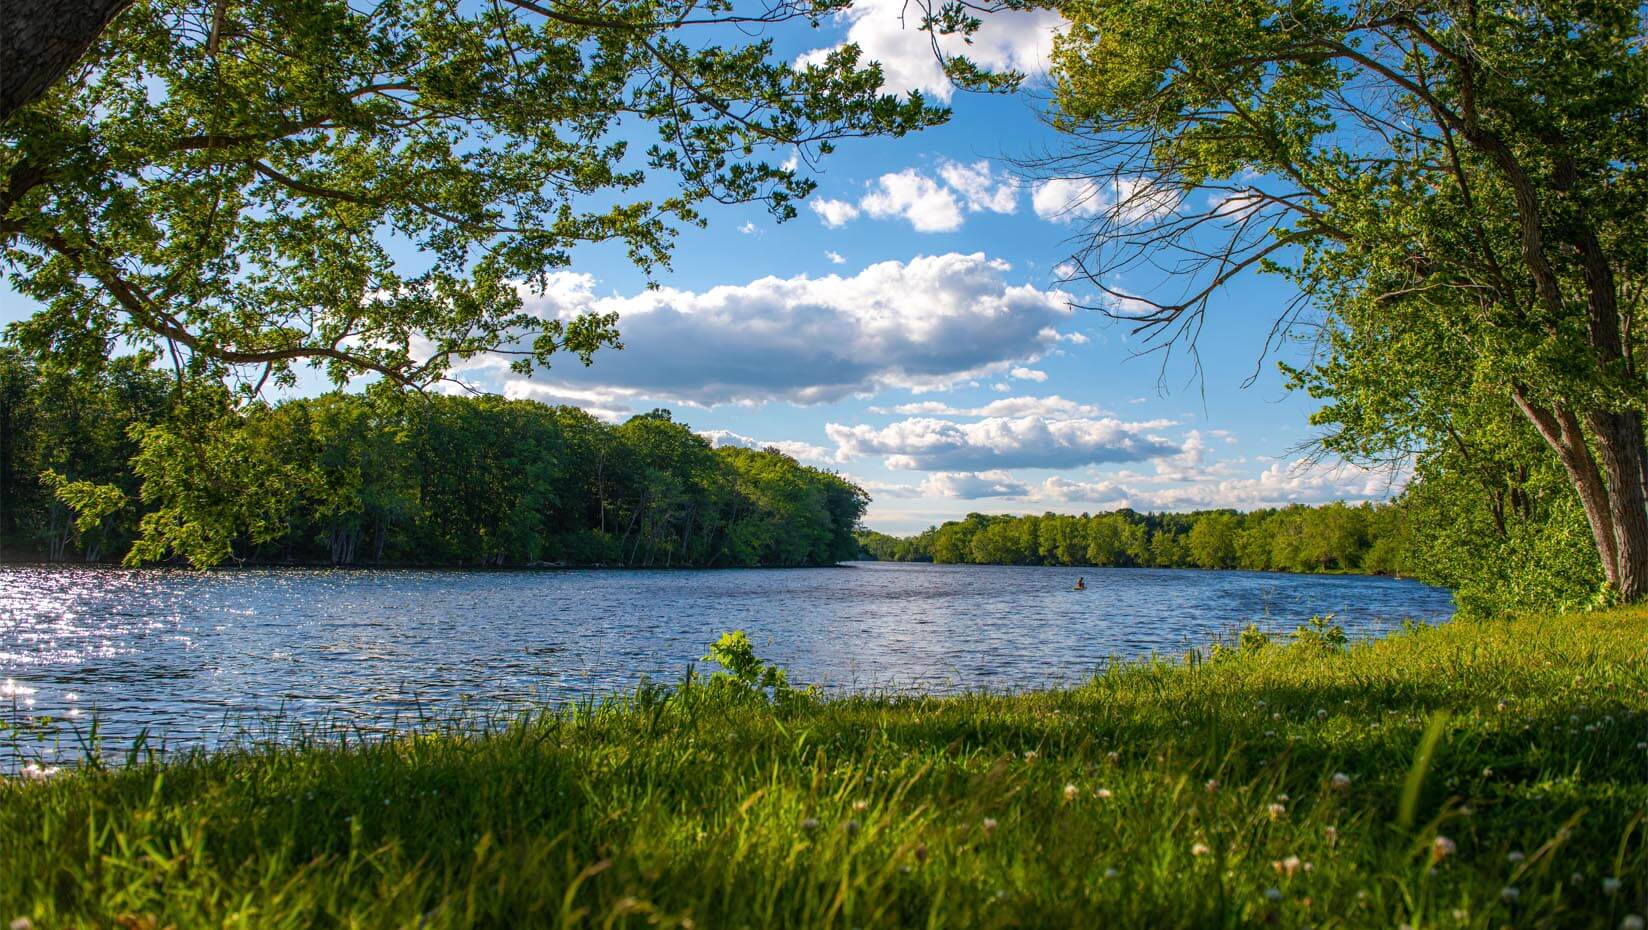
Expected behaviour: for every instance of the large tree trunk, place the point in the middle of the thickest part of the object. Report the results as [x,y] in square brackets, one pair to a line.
[1619,443]
[40,40]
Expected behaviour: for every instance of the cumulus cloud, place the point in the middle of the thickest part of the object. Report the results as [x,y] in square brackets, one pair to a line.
[1051,406]
[930,323]
[834,213]
[928,205]
[886,31]
[915,197]
[1028,374]
[836,258]
[801,451]
[979,187]
[1127,200]
[973,485]
[1280,484]
[930,444]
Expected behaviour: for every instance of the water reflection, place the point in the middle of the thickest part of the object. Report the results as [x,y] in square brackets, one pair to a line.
[200,658]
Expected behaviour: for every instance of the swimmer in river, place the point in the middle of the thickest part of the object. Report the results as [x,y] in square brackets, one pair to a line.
[1081,584]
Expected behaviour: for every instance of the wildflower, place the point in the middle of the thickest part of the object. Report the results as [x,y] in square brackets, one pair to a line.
[1070,792]
[861,805]
[1642,745]
[1102,793]
[1111,873]
[1199,849]
[34,771]
[1461,915]
[1283,798]
[1321,714]
[809,824]
[1631,922]
[1030,756]
[1509,894]
[1286,866]
[1610,886]
[1277,811]
[1273,894]
[1515,857]
[1269,734]
[989,825]
[22,923]
[1442,847]
[1576,879]
[1212,785]
[1341,781]
[1113,757]
[1487,773]
[1332,833]
[1501,707]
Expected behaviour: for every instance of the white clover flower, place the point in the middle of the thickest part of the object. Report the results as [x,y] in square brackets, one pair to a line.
[861,805]
[1273,894]
[1070,792]
[989,825]
[1277,811]
[1212,785]
[1102,793]
[1610,886]
[1111,873]
[1631,922]
[1509,894]
[1199,849]
[1442,847]
[1515,856]
[1341,781]
[1332,833]
[809,824]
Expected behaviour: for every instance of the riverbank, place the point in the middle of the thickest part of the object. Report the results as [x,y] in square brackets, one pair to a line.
[1468,775]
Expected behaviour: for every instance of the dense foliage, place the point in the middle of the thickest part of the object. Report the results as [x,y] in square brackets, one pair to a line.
[1467,776]
[1457,191]
[1334,537]
[252,186]
[349,479]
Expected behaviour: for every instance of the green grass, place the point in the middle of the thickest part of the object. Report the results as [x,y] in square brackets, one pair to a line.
[708,809]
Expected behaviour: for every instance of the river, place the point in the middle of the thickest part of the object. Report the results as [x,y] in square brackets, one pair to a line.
[201,658]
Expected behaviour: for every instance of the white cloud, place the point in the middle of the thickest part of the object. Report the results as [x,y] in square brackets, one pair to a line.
[1127,200]
[929,444]
[915,197]
[836,258]
[802,451]
[750,229]
[1280,484]
[1028,374]
[979,187]
[973,485]
[930,323]
[834,213]
[1065,199]
[1051,406]
[887,31]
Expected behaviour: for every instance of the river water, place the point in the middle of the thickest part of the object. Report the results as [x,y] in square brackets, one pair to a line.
[200,658]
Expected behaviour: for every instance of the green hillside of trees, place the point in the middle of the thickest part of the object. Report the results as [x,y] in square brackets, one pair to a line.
[1369,538]
[391,479]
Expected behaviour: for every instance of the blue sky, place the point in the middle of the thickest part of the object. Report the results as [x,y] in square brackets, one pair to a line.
[909,330]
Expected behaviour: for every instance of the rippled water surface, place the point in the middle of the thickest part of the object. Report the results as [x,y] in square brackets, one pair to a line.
[199,658]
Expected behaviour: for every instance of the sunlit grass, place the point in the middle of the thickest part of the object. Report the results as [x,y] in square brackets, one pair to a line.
[1277,787]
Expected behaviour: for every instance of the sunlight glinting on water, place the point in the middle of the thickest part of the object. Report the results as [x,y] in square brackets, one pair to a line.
[197,659]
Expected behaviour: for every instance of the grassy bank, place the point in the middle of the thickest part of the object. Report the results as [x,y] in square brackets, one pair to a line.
[1277,787]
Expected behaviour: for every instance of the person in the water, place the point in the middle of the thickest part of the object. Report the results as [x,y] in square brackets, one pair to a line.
[1081,584]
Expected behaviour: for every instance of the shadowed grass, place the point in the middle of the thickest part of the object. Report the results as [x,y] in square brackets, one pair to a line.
[1159,795]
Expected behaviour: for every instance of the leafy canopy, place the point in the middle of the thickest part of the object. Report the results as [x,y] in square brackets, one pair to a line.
[253,185]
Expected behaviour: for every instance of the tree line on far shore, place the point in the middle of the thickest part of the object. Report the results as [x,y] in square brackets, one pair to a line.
[120,466]
[1369,538]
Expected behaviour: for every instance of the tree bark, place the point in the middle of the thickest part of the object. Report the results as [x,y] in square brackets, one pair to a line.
[1560,429]
[1619,443]
[40,40]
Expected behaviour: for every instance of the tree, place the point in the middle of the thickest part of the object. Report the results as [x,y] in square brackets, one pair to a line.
[1212,540]
[1454,186]
[40,40]
[222,179]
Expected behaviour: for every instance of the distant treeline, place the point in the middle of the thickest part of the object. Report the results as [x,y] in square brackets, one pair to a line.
[1369,538]
[353,479]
